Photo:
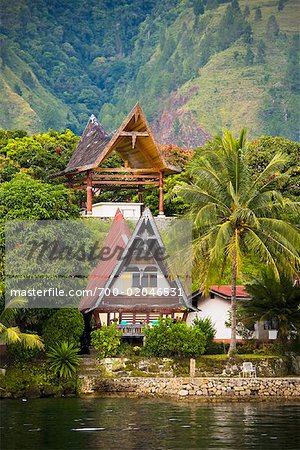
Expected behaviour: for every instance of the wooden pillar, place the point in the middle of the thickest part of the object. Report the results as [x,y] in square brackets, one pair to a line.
[161,195]
[140,194]
[89,193]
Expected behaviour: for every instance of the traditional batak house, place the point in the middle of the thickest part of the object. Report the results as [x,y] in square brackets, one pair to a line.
[134,143]
[132,285]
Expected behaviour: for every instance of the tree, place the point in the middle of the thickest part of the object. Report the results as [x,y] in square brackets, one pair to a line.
[11,334]
[281,4]
[211,4]
[247,11]
[248,34]
[261,52]
[237,214]
[249,58]
[198,7]
[24,198]
[258,14]
[263,149]
[293,67]
[274,299]
[272,27]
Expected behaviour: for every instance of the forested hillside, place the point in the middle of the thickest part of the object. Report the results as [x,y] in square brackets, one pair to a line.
[196,66]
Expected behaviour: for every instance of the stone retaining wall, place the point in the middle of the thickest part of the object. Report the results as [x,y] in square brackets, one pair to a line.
[241,388]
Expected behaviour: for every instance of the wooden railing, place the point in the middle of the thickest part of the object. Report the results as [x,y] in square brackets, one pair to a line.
[132,329]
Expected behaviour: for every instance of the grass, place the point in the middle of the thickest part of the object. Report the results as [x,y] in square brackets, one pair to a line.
[25,111]
[240,356]
[231,94]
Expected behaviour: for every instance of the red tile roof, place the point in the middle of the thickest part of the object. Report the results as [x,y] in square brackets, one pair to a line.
[225,291]
[116,241]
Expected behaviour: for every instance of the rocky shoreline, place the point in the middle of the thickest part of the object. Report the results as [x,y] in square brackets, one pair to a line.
[194,388]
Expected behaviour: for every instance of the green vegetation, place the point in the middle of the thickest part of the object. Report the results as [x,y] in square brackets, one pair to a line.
[208,329]
[274,300]
[35,379]
[64,359]
[25,198]
[64,325]
[169,338]
[61,62]
[237,214]
[106,340]
[11,334]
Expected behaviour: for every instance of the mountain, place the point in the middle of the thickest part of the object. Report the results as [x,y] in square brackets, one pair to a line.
[195,66]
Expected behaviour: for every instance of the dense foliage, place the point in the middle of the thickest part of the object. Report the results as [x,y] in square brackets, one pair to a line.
[26,198]
[276,300]
[262,150]
[106,340]
[169,338]
[238,214]
[73,58]
[40,155]
[64,325]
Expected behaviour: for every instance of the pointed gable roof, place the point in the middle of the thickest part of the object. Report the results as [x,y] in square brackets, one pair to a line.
[146,222]
[133,141]
[92,142]
[115,241]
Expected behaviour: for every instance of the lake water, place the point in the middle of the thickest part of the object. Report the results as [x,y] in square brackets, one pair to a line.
[143,424]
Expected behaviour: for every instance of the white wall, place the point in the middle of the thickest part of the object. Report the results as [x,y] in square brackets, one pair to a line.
[109,209]
[217,309]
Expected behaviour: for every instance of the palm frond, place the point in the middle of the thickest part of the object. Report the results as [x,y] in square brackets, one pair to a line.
[31,341]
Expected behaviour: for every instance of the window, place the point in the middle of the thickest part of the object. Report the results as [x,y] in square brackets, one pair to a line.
[149,277]
[136,278]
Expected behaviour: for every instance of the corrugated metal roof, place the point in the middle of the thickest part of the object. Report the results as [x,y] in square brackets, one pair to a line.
[116,241]
[225,291]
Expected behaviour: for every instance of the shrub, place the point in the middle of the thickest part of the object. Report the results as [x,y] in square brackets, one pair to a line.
[106,340]
[206,325]
[217,348]
[64,325]
[64,359]
[20,353]
[169,338]
[249,346]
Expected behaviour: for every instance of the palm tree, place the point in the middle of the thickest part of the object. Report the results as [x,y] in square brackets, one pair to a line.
[12,334]
[236,214]
[274,299]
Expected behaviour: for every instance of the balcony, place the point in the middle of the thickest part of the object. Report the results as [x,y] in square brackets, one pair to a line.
[132,330]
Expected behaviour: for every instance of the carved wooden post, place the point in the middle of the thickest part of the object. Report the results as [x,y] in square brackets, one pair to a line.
[89,193]
[161,194]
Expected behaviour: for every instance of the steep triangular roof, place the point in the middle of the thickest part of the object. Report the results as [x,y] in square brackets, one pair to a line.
[146,221]
[93,141]
[116,241]
[133,141]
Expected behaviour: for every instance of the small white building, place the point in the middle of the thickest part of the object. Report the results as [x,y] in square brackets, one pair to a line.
[217,307]
[109,209]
